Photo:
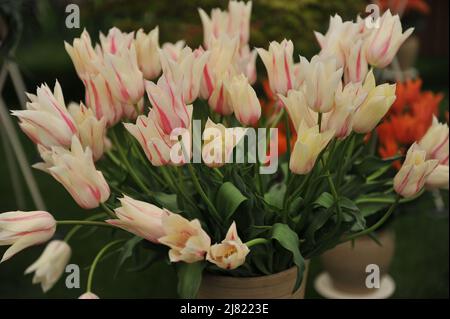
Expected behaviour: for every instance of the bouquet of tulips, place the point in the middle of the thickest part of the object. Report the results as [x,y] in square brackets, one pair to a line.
[189,172]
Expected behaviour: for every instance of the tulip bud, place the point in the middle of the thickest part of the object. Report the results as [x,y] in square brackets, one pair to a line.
[167,101]
[243,100]
[83,55]
[375,106]
[92,131]
[414,172]
[435,142]
[187,240]
[88,295]
[100,100]
[230,253]
[246,63]
[219,143]
[279,65]
[185,71]
[310,142]
[385,40]
[75,170]
[122,73]
[438,179]
[355,63]
[147,47]
[46,120]
[24,229]
[173,50]
[140,218]
[115,41]
[51,264]
[320,81]
[297,108]
[347,100]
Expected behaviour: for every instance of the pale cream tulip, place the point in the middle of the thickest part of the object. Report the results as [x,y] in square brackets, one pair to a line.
[140,218]
[83,55]
[246,63]
[310,143]
[243,100]
[76,171]
[50,266]
[91,130]
[385,40]
[438,179]
[297,108]
[230,253]
[435,142]
[24,229]
[187,240]
[356,66]
[46,120]
[414,172]
[147,47]
[219,143]
[173,50]
[279,64]
[115,41]
[320,78]
[88,295]
[377,103]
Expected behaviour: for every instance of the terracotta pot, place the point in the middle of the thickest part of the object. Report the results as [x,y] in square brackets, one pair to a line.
[346,264]
[408,52]
[276,286]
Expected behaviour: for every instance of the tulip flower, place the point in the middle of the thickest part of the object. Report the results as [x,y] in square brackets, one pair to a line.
[385,40]
[438,179]
[414,172]
[157,145]
[243,100]
[347,100]
[122,73]
[140,218]
[173,50]
[279,64]
[246,63]
[435,142]
[131,111]
[220,65]
[83,55]
[356,67]
[147,47]
[167,101]
[320,82]
[115,41]
[51,264]
[88,295]
[376,105]
[91,130]
[219,143]
[75,170]
[100,100]
[24,229]
[185,71]
[310,142]
[230,253]
[46,120]
[187,240]
[297,108]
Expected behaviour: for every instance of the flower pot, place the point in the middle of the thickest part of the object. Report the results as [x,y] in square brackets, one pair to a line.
[408,52]
[346,265]
[276,286]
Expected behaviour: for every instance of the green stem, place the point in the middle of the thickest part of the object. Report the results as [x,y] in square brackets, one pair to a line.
[199,189]
[376,225]
[277,119]
[256,241]
[319,121]
[84,223]
[108,210]
[75,229]
[97,259]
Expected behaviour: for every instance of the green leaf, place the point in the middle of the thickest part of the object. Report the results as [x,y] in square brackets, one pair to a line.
[325,200]
[228,199]
[126,251]
[288,239]
[168,201]
[274,197]
[189,279]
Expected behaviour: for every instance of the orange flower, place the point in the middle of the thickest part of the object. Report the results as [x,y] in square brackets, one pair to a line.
[406,93]
[398,6]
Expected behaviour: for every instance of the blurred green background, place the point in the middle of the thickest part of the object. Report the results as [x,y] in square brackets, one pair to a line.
[420,266]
